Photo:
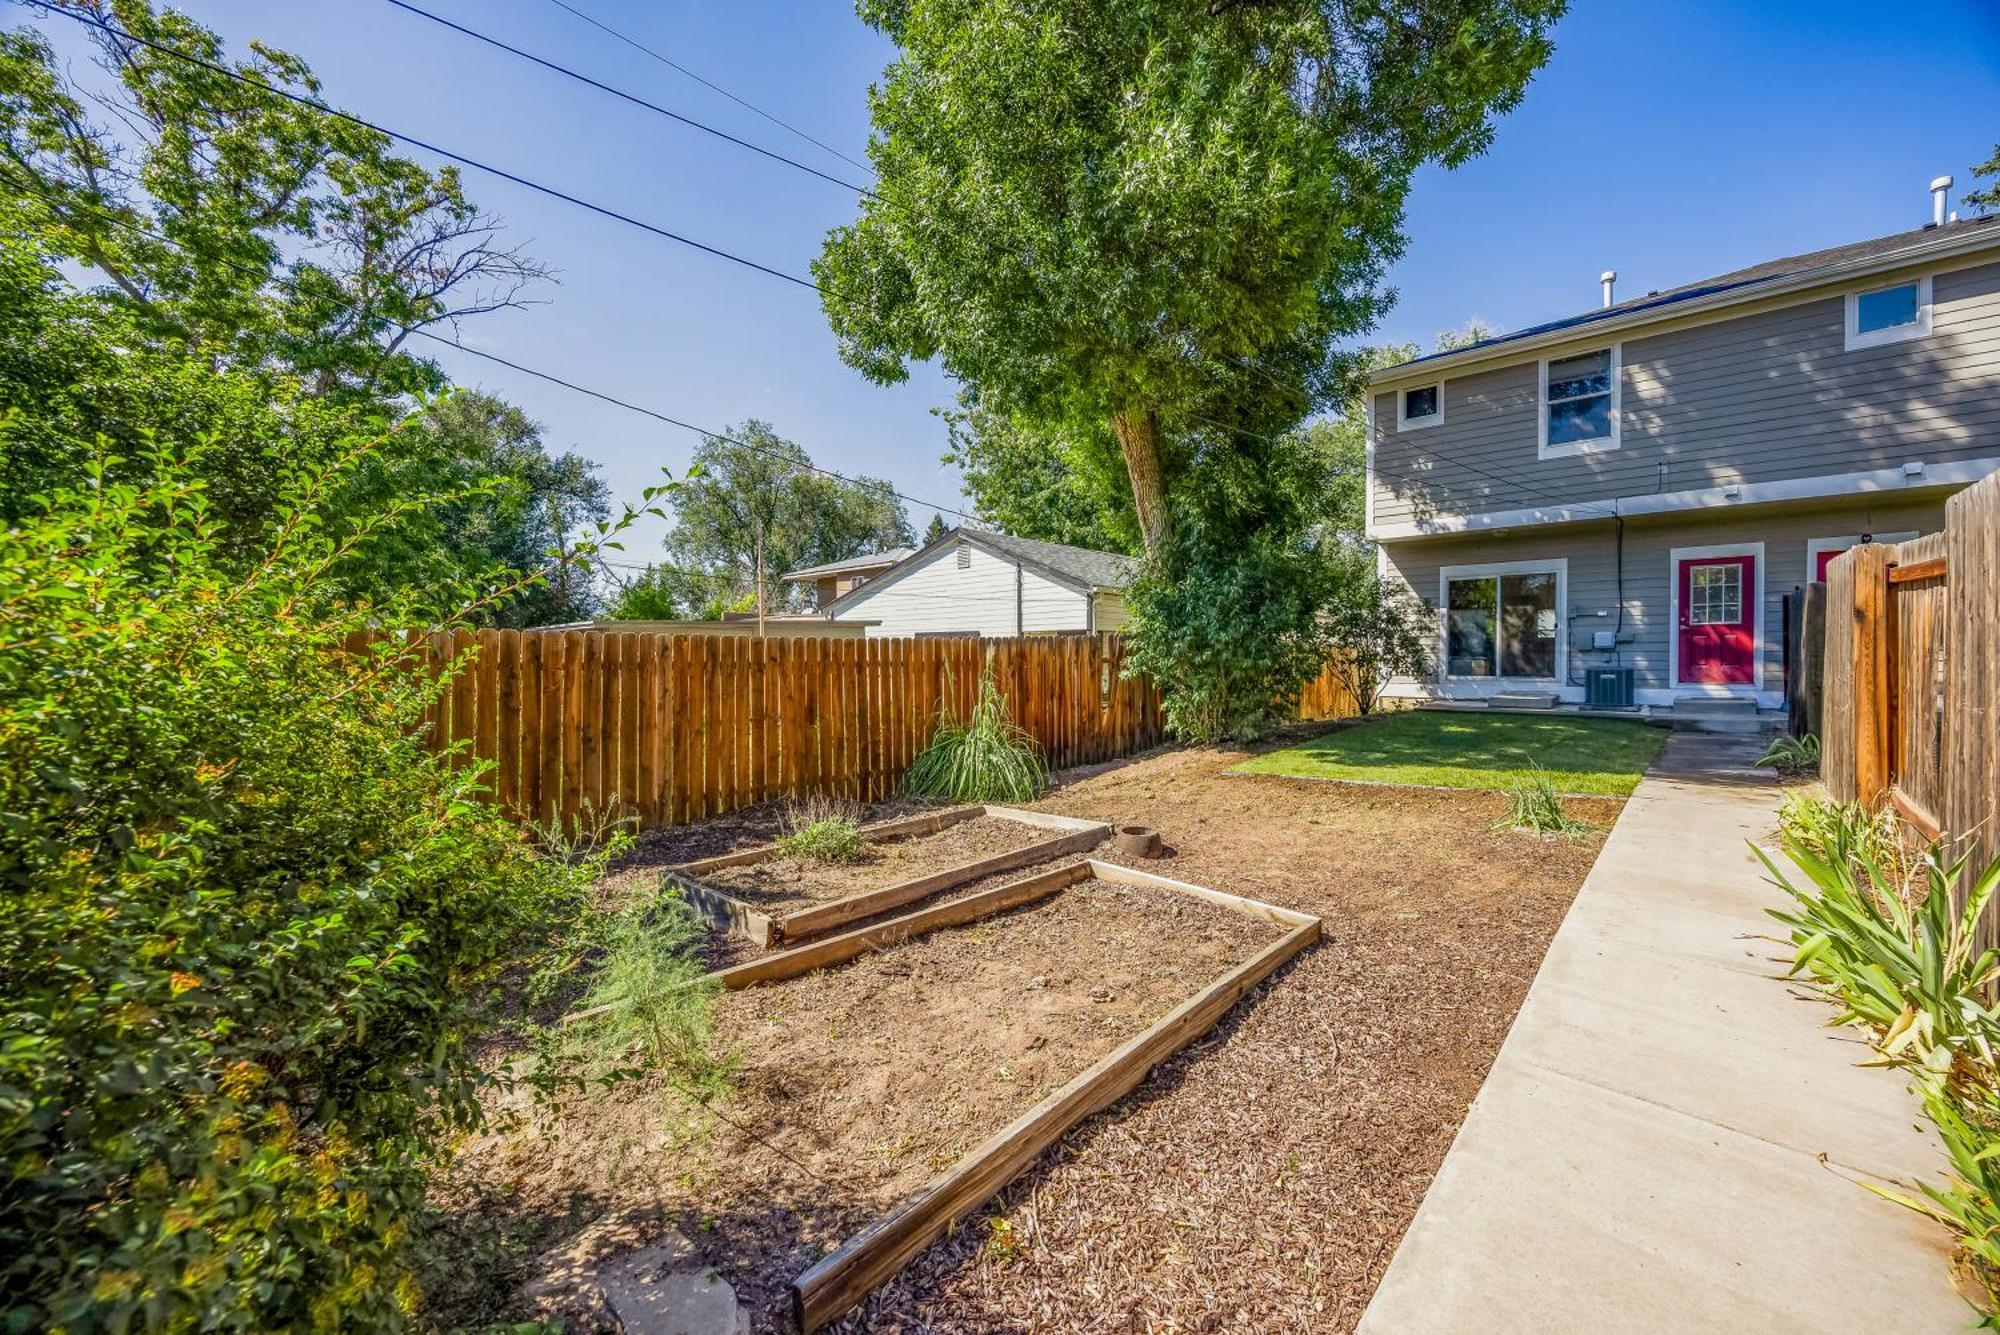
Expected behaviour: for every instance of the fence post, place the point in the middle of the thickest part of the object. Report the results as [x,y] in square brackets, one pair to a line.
[1873,735]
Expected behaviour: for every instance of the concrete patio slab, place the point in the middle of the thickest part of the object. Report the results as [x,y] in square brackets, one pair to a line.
[1670,1139]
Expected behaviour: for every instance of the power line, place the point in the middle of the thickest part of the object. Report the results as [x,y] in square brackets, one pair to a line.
[639,46]
[412,140]
[550,377]
[659,416]
[633,98]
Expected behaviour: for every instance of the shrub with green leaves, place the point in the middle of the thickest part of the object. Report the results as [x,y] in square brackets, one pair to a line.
[988,758]
[1903,964]
[821,830]
[248,918]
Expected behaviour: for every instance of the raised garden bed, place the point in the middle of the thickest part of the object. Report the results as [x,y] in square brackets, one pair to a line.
[896,1076]
[772,899]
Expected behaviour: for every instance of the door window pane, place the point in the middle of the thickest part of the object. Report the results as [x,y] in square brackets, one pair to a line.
[1715,595]
[1528,625]
[1469,627]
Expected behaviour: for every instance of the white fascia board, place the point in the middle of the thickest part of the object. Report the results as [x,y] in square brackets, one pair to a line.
[1884,480]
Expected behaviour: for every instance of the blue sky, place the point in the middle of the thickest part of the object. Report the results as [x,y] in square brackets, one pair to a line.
[1669,139]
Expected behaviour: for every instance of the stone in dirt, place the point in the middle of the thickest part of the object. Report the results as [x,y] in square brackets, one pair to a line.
[656,1288]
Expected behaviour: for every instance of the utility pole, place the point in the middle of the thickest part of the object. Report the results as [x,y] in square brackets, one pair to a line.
[757,526]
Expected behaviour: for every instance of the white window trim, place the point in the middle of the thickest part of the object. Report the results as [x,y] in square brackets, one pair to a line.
[1900,333]
[1755,686]
[1568,449]
[1815,546]
[1404,423]
[1487,685]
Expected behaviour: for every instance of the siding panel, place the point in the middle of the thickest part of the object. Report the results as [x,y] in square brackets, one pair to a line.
[937,597]
[1760,398]
[1593,585]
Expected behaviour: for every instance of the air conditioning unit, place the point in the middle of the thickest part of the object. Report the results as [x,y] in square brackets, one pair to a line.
[1607,688]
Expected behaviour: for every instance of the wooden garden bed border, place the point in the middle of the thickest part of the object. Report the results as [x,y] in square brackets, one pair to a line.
[736,915]
[841,1280]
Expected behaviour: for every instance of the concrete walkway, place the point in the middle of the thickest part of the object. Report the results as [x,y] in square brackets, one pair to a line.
[1669,1141]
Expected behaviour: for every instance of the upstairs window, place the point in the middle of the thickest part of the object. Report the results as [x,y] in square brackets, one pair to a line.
[1888,314]
[1420,406]
[1580,403]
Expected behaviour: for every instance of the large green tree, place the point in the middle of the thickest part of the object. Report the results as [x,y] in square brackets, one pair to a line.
[1039,484]
[1138,214]
[227,216]
[754,489]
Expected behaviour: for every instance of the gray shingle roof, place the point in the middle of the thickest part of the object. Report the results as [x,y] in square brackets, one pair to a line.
[870,561]
[1099,570]
[1769,271]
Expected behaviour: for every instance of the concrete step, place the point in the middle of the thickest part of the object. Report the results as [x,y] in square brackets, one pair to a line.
[1523,700]
[1705,707]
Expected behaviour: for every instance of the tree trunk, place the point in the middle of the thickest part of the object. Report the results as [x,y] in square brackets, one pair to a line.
[1138,431]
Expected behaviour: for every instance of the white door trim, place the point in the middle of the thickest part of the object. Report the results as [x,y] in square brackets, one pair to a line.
[1475,687]
[1674,558]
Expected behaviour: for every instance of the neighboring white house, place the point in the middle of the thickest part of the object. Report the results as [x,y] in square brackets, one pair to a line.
[971,582]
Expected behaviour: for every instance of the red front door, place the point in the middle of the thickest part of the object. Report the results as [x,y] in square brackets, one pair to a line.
[1822,560]
[1718,637]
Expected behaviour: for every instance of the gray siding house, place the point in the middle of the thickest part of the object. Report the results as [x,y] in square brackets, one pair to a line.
[1639,486]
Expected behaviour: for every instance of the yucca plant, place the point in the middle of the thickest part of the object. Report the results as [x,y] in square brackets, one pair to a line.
[1910,972]
[1533,804]
[1792,755]
[988,758]
[1908,968]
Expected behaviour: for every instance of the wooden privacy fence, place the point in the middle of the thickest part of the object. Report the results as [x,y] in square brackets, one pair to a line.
[1912,676]
[579,724]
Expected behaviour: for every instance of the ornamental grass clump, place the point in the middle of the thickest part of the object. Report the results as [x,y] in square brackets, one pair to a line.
[988,758]
[1901,961]
[1533,804]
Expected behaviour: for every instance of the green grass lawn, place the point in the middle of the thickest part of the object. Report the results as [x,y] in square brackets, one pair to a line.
[1464,750]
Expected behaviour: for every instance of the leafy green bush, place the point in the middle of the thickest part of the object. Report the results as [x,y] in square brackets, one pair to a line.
[1533,804]
[1904,965]
[248,921]
[1792,755]
[988,758]
[819,830]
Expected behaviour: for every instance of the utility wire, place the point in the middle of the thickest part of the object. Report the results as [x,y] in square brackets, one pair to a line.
[641,47]
[460,158]
[633,98]
[550,377]
[659,416]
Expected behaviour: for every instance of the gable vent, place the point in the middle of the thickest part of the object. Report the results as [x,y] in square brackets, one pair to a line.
[964,554]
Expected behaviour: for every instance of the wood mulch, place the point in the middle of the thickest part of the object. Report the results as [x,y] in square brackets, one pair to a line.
[1261,1180]
[857,1085]
[1258,1181]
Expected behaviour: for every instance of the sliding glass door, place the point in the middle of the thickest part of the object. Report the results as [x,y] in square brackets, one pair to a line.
[1502,624]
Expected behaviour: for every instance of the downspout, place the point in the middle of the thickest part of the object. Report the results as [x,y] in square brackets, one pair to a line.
[1020,625]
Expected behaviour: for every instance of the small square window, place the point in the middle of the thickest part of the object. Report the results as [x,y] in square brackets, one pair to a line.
[1889,314]
[1422,405]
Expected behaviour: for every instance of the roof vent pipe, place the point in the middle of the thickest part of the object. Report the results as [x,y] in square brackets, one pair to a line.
[1939,187]
[1609,278]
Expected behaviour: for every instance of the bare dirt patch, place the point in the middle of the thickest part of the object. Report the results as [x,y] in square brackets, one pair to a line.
[782,883]
[1260,1180]
[858,1084]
